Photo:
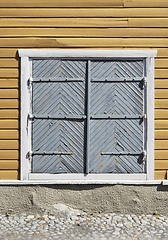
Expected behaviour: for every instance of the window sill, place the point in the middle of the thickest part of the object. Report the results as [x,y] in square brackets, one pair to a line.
[87,182]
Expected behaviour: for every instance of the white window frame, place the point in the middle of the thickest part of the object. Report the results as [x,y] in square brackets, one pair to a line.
[25,133]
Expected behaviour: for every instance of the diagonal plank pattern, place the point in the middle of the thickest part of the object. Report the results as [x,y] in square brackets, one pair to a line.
[115,136]
[53,94]
[60,136]
[49,68]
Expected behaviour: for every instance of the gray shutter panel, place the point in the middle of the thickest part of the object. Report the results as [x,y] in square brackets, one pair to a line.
[116,135]
[58,102]
[59,132]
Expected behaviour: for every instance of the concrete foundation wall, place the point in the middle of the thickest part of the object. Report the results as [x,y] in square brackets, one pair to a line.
[90,198]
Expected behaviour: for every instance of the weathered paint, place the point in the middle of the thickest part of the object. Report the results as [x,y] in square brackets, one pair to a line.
[102,24]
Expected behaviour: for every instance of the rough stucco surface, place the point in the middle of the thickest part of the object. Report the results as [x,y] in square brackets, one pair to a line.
[90,198]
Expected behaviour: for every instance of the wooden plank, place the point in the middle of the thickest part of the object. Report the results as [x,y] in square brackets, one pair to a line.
[9,124]
[61,3]
[161,134]
[83,12]
[161,164]
[8,52]
[9,72]
[160,175]
[9,175]
[85,22]
[161,103]
[84,32]
[9,83]
[161,154]
[144,3]
[9,103]
[161,63]
[9,63]
[161,144]
[8,93]
[83,42]
[161,124]
[9,134]
[9,144]
[12,52]
[9,165]
[70,22]
[161,114]
[162,52]
[161,73]
[9,154]
[9,113]
[161,83]
[161,93]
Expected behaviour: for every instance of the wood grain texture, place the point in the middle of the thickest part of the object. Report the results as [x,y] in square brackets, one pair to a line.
[160,174]
[9,63]
[9,103]
[144,3]
[61,3]
[161,103]
[9,154]
[161,83]
[85,32]
[161,73]
[161,63]
[85,22]
[161,144]
[82,3]
[83,42]
[9,175]
[161,124]
[9,72]
[8,52]
[8,93]
[83,12]
[9,124]
[9,144]
[9,165]
[9,113]
[161,164]
[161,154]
[12,52]
[161,134]
[161,93]
[9,134]
[161,114]
[9,83]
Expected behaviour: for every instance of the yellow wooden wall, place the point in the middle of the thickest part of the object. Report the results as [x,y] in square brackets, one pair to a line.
[103,24]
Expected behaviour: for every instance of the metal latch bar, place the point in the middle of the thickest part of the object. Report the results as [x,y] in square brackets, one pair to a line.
[52,79]
[56,117]
[111,116]
[121,153]
[117,80]
[51,153]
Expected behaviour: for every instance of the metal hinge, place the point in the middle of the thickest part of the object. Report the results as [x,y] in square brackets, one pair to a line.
[29,82]
[143,82]
[29,156]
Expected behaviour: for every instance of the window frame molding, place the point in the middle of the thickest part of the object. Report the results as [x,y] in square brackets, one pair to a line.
[25,134]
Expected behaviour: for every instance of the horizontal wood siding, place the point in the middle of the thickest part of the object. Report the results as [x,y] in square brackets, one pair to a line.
[86,24]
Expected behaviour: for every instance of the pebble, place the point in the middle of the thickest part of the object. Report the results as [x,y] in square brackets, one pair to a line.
[84,227]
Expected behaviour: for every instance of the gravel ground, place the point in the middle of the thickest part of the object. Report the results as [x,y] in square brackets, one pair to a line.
[84,226]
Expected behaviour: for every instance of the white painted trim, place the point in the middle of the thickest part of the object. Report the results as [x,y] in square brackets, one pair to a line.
[108,182]
[150,117]
[93,177]
[64,53]
[165,182]
[26,56]
[25,107]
